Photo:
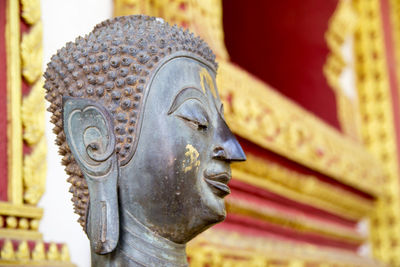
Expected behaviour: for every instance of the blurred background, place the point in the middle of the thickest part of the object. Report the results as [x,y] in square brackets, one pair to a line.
[310,88]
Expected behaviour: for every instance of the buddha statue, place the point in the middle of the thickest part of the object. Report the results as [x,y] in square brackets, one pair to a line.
[141,129]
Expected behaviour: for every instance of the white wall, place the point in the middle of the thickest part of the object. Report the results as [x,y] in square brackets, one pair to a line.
[63,21]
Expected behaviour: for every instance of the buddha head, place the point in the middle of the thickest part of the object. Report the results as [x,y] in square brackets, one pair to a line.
[141,128]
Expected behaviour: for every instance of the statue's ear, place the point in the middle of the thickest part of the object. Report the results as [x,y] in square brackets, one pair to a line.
[89,132]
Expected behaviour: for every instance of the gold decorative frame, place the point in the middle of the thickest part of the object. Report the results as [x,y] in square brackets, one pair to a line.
[279,125]
[378,132]
[19,217]
[217,247]
[14,128]
[301,188]
[341,29]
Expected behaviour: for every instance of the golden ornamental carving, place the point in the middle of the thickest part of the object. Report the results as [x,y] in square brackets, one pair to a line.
[35,167]
[53,254]
[269,175]
[341,28]
[23,255]
[32,53]
[293,132]
[21,211]
[378,132]
[395,20]
[222,248]
[34,224]
[33,120]
[296,222]
[294,195]
[30,11]
[38,253]
[7,252]
[11,222]
[23,223]
[64,253]
[19,219]
[33,113]
[23,251]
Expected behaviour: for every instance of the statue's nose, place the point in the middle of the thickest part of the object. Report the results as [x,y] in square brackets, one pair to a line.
[228,147]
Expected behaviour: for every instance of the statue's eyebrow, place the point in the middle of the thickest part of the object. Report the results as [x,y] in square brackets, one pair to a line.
[185,94]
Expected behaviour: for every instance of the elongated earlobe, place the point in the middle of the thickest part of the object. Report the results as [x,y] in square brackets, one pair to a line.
[89,133]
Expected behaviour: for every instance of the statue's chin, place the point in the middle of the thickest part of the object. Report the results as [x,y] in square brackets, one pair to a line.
[208,221]
[216,211]
[213,212]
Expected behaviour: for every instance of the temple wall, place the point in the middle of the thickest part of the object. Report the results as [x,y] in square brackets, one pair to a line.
[301,185]
[62,22]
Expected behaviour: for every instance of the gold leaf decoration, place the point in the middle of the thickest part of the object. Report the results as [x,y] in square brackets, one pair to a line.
[30,10]
[7,253]
[33,120]
[293,132]
[21,242]
[52,253]
[32,53]
[38,252]
[23,251]
[33,114]
[35,173]
[65,253]
[378,124]
[341,29]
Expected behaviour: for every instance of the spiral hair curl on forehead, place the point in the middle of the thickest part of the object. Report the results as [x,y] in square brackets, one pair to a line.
[112,66]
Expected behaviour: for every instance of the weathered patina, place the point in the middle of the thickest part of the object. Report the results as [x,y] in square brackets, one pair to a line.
[140,124]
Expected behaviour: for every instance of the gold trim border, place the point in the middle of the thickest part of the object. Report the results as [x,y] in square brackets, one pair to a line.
[307,185]
[17,234]
[298,222]
[14,127]
[33,105]
[394,6]
[24,255]
[217,247]
[36,263]
[25,211]
[378,132]
[18,221]
[293,195]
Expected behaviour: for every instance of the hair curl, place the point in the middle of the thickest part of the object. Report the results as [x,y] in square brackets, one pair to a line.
[112,65]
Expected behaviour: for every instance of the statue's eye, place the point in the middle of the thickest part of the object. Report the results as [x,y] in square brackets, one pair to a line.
[193,113]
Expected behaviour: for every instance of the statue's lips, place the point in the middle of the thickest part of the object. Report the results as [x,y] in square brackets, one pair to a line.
[218,183]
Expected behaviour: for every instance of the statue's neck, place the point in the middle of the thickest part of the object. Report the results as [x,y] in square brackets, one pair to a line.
[141,246]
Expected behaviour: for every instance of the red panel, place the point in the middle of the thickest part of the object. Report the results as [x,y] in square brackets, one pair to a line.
[282,42]
[3,104]
[391,64]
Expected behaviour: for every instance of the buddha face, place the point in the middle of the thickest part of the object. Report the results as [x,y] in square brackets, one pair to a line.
[176,182]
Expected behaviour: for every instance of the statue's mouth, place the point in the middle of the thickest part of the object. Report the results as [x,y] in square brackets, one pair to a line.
[218,183]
